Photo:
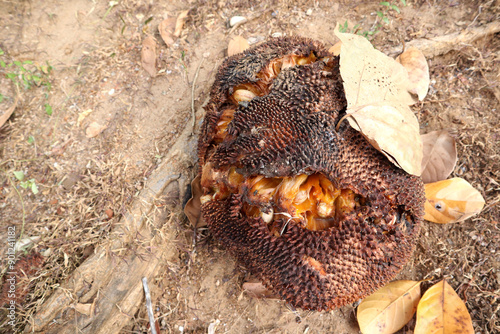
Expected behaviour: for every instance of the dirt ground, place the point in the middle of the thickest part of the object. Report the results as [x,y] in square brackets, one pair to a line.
[86,183]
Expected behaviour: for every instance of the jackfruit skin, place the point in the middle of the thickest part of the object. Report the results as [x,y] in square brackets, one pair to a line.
[291,131]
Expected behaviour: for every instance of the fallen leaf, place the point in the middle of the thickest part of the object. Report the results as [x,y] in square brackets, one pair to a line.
[369,75]
[440,156]
[7,113]
[335,49]
[181,19]
[109,213]
[451,201]
[148,55]
[418,71]
[192,210]
[94,129]
[82,115]
[258,290]
[236,45]
[442,311]
[389,308]
[376,86]
[393,130]
[166,29]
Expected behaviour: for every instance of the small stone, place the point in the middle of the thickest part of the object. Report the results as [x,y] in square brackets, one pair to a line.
[309,12]
[237,19]
[277,34]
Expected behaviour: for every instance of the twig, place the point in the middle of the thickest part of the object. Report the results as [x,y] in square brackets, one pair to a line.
[193,86]
[148,305]
[442,44]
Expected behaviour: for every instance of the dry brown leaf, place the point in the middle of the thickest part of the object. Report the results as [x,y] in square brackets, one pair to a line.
[192,210]
[442,311]
[418,71]
[376,87]
[236,45]
[451,201]
[148,55]
[94,129]
[393,130]
[390,308]
[179,24]
[335,49]
[166,29]
[440,156]
[258,290]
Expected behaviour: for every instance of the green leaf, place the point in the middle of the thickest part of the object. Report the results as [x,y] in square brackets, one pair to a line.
[34,188]
[27,62]
[19,175]
[396,8]
[11,75]
[1,52]
[2,63]
[18,63]
[24,184]
[48,109]
[148,20]
[31,139]
[385,19]
[1,98]
[385,3]
[403,2]
[380,14]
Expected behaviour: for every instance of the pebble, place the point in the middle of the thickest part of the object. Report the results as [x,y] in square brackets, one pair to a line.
[237,19]
[255,39]
[277,34]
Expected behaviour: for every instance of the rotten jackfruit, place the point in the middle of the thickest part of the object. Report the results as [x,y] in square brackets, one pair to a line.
[319,215]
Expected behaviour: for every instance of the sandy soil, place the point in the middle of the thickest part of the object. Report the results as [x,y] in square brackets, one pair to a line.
[86,183]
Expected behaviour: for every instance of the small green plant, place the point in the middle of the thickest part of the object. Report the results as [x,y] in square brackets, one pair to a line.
[26,184]
[27,75]
[382,14]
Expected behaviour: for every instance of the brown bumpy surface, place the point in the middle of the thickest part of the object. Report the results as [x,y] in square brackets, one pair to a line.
[320,216]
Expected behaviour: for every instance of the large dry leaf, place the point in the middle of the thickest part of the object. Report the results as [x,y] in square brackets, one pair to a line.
[148,55]
[442,311]
[389,308]
[236,45]
[192,210]
[451,201]
[418,71]
[166,29]
[393,130]
[181,19]
[369,75]
[377,86]
[440,156]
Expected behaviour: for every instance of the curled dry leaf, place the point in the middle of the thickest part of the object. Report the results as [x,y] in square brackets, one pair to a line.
[376,86]
[335,49]
[418,71]
[148,55]
[192,210]
[390,308]
[166,29]
[179,23]
[236,45]
[393,130]
[451,201]
[442,311]
[94,129]
[440,156]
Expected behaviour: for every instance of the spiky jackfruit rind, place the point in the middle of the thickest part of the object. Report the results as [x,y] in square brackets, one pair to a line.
[290,131]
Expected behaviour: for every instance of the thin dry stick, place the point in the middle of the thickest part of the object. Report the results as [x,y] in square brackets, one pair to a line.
[148,305]
[193,86]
